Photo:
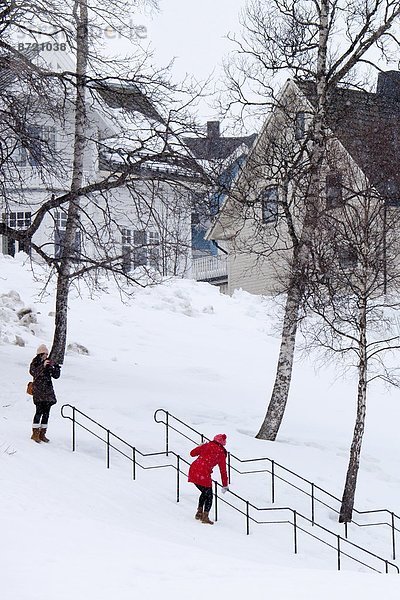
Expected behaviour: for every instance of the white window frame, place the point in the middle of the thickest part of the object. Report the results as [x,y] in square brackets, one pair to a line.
[19,220]
[140,248]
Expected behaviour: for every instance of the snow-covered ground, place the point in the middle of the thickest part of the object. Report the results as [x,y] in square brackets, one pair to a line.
[73,528]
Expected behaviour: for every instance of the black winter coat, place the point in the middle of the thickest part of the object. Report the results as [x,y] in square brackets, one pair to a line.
[42,385]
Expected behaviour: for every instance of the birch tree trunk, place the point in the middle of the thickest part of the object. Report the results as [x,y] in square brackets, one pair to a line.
[273,419]
[276,408]
[346,509]
[69,240]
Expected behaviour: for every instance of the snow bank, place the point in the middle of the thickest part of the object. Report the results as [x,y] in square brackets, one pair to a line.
[210,360]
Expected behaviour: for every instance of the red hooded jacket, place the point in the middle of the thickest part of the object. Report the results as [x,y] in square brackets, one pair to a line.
[209,455]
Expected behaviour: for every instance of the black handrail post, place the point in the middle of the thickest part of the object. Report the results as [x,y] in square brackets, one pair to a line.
[272,481]
[386,567]
[295,530]
[108,448]
[167,433]
[216,500]
[73,429]
[338,552]
[229,467]
[312,504]
[177,476]
[393,539]
[134,463]
[247,518]
[345,530]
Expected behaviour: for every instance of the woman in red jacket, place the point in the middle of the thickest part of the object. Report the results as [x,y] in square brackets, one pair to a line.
[209,455]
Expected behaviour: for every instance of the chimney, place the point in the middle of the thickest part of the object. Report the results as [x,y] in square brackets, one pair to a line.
[213,129]
[389,85]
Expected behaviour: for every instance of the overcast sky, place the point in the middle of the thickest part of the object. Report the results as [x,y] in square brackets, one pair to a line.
[193,32]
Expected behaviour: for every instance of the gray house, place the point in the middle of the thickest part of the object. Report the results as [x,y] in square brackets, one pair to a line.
[223,156]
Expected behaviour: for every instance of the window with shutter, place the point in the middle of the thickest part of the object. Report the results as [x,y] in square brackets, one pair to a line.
[153,239]
[334,189]
[300,125]
[348,257]
[60,223]
[269,204]
[140,249]
[126,241]
[58,242]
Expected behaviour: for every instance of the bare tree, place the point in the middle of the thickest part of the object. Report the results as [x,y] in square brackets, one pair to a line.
[301,39]
[81,17]
[353,290]
[143,157]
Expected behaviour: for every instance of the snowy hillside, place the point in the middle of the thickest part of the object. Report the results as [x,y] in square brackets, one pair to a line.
[73,528]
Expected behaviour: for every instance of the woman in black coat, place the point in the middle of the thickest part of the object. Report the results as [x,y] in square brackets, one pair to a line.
[42,370]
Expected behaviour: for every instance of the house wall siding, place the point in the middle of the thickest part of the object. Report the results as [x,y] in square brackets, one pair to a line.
[157,207]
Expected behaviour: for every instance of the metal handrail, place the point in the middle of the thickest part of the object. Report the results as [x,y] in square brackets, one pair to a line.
[274,476]
[132,457]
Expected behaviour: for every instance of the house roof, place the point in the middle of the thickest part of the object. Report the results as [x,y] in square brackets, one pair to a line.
[143,135]
[128,97]
[214,146]
[368,126]
[218,149]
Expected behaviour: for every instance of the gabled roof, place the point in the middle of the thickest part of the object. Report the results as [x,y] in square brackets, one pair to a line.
[128,97]
[217,149]
[12,65]
[215,146]
[368,126]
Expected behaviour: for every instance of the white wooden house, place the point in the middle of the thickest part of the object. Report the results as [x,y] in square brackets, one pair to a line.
[364,134]
[146,221]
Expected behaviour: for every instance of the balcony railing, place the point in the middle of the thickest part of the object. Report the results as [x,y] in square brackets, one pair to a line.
[210,268]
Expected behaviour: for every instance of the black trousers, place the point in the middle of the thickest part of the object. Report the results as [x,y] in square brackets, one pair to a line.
[42,414]
[206,497]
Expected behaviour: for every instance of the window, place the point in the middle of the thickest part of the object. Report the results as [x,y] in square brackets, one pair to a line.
[60,218]
[392,193]
[334,189]
[59,235]
[300,125]
[140,249]
[58,243]
[126,235]
[41,141]
[134,249]
[153,240]
[16,220]
[19,220]
[348,257]
[269,205]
